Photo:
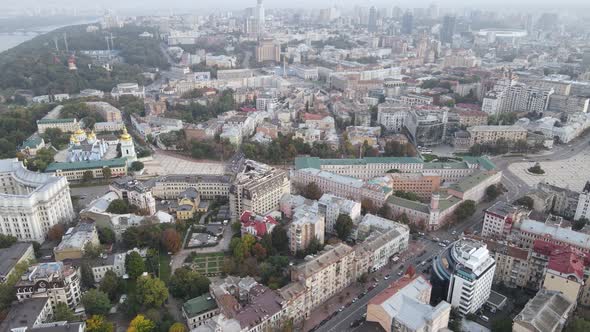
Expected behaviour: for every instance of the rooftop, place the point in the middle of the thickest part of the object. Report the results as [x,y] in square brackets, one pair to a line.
[501,209]
[199,305]
[81,165]
[566,235]
[47,121]
[77,237]
[546,312]
[329,256]
[23,314]
[11,255]
[470,181]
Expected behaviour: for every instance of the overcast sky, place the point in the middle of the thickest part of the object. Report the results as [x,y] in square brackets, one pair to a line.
[240,4]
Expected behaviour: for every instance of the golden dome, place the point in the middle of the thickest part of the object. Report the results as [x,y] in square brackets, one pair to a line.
[79,132]
[91,135]
[125,136]
[74,140]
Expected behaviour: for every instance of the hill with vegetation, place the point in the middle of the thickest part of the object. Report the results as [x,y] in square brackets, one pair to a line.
[36,65]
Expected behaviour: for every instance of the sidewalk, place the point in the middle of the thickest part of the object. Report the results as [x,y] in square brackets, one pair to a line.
[344,297]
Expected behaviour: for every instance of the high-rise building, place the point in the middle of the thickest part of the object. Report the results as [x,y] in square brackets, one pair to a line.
[259,17]
[463,273]
[372,26]
[447,29]
[268,50]
[407,23]
[257,188]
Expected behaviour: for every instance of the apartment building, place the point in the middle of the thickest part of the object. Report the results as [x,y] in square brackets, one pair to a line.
[491,134]
[65,125]
[74,241]
[513,264]
[209,186]
[405,306]
[392,116]
[134,193]
[109,112]
[499,219]
[528,231]
[257,188]
[583,206]
[55,280]
[381,240]
[332,206]
[268,50]
[325,275]
[306,226]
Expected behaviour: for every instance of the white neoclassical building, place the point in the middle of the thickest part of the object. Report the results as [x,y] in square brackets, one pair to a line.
[31,202]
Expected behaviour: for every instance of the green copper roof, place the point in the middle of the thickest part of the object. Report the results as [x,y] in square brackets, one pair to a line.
[118,162]
[421,207]
[315,162]
[42,121]
[483,162]
[469,182]
[199,305]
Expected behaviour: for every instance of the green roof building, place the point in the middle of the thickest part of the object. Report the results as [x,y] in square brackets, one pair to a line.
[199,309]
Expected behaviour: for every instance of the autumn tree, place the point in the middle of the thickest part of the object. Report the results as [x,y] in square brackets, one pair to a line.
[56,232]
[98,323]
[151,292]
[259,251]
[177,327]
[141,324]
[171,240]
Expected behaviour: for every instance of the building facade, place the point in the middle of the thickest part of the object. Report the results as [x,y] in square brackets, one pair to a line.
[31,202]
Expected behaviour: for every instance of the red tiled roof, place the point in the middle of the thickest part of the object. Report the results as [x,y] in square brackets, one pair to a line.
[518,252]
[567,261]
[544,248]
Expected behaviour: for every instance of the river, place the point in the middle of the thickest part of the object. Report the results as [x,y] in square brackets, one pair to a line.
[10,40]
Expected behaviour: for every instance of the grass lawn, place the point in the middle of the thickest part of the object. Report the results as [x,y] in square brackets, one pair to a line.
[164,267]
[209,263]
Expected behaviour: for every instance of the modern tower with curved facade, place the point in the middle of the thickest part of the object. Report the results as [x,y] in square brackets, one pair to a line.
[31,202]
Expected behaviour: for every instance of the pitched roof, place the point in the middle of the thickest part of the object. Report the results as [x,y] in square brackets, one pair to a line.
[117,162]
[199,305]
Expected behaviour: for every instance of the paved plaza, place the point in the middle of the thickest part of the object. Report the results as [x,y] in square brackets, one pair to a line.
[570,173]
[163,164]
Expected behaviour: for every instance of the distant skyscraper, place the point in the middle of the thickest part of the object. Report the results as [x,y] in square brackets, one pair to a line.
[372,19]
[528,24]
[448,29]
[259,16]
[407,23]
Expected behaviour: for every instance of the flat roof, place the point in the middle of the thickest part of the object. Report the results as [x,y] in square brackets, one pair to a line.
[470,181]
[11,255]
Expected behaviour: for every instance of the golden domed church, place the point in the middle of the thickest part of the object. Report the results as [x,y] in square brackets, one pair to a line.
[85,147]
[127,147]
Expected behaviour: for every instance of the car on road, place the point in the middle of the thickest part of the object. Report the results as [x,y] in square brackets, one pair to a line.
[354,300]
[442,244]
[454,232]
[341,308]
[435,239]
[400,273]
[386,277]
[423,263]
